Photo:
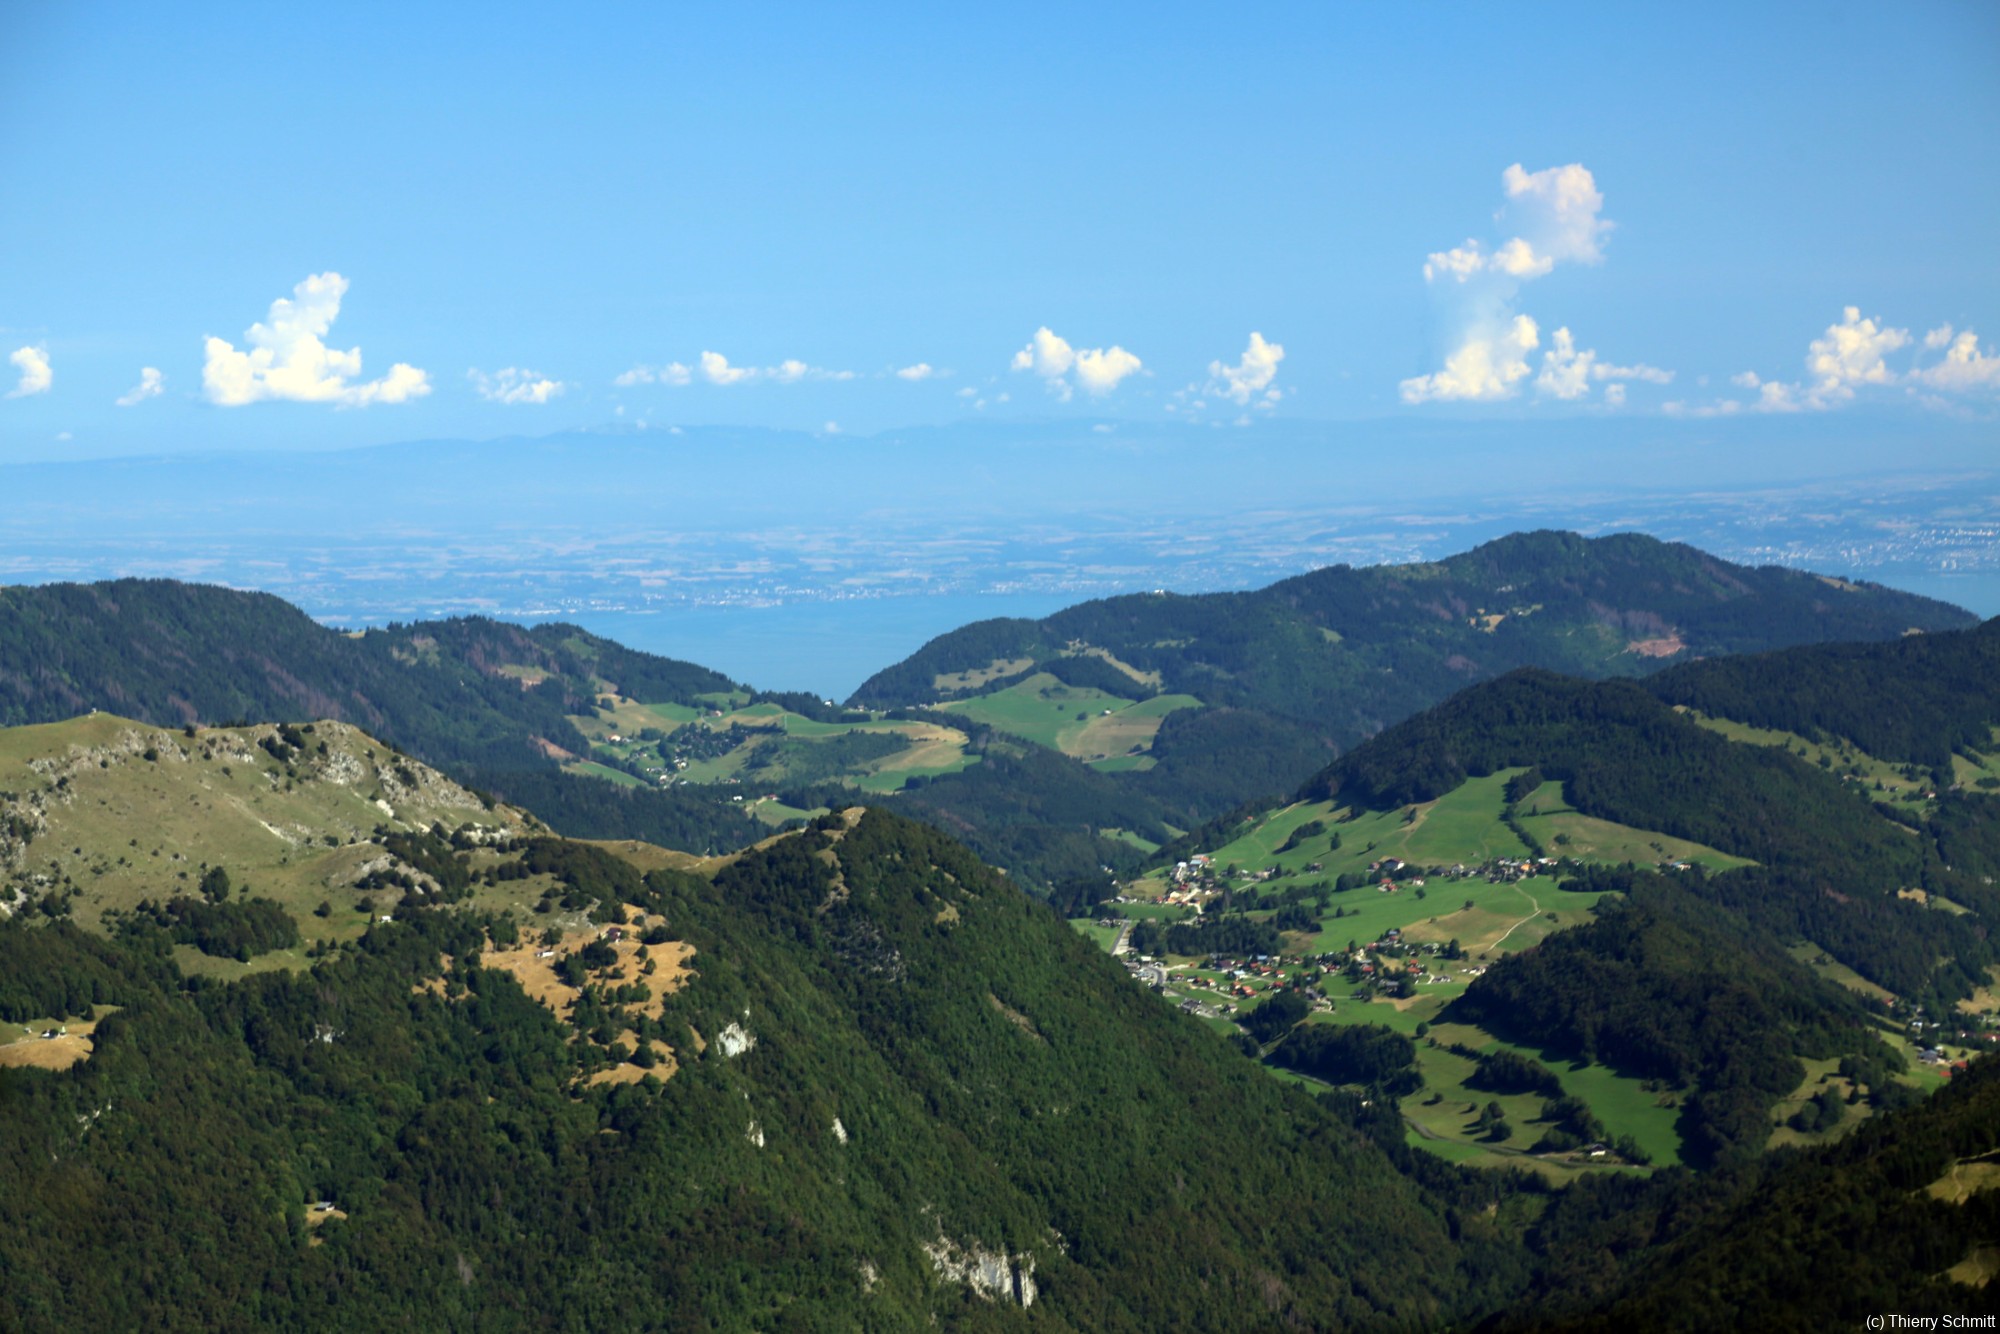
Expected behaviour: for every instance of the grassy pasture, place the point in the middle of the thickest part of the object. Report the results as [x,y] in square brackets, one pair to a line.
[1040,709]
[1966,1178]
[932,749]
[1104,936]
[1154,912]
[1813,957]
[1125,729]
[592,769]
[1151,680]
[1621,1104]
[974,677]
[774,812]
[1504,918]
[22,1046]
[1045,711]
[1820,1075]
[123,827]
[1127,836]
[1547,815]
[1463,826]
[1837,756]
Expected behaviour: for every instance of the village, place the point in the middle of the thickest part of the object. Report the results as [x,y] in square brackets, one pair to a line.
[1303,924]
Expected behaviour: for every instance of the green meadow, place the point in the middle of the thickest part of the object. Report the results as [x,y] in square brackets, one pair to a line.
[618,732]
[1081,721]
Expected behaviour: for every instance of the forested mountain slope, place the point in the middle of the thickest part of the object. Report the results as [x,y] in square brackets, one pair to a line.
[1886,871]
[856,1080]
[852,1078]
[1250,692]
[1348,651]
[1901,1216]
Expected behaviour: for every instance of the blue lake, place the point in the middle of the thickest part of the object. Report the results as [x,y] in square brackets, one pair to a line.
[825,647]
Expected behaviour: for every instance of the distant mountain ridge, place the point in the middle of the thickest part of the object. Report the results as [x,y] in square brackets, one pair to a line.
[1191,705]
[1350,650]
[1280,679]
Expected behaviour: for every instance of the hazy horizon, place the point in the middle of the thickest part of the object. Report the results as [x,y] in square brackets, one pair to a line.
[646,313]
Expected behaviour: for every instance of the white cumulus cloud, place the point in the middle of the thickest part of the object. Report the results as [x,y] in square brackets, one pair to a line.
[151,385]
[1555,216]
[673,372]
[1964,367]
[514,386]
[36,375]
[1565,370]
[1561,223]
[1047,354]
[1568,372]
[1638,371]
[1851,353]
[287,359]
[1251,375]
[1097,370]
[1486,366]
[923,370]
[715,369]
[1558,214]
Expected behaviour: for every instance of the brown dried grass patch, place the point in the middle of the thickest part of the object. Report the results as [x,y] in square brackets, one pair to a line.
[46,1053]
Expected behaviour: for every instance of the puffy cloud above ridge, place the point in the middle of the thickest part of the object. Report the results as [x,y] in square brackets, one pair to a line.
[1853,354]
[1486,366]
[1558,217]
[514,386]
[1251,375]
[36,373]
[716,369]
[1097,370]
[287,359]
[151,385]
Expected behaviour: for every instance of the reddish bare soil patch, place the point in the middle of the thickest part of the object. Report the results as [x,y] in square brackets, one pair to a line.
[1665,646]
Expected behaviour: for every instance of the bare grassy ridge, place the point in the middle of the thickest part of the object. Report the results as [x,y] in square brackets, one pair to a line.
[117,812]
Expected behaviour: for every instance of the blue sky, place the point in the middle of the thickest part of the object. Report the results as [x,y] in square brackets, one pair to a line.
[509,210]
